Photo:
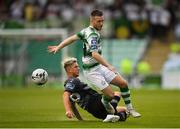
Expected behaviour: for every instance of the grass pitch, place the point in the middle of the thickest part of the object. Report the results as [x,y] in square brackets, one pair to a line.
[43,107]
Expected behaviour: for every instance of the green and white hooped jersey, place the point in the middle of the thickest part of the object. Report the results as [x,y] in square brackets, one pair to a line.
[91,42]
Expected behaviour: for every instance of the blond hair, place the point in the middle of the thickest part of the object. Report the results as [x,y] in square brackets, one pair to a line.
[68,62]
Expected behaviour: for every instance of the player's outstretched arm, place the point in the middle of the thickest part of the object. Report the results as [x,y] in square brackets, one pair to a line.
[67,105]
[64,43]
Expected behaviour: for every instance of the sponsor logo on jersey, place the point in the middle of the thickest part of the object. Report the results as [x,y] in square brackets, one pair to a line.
[103,82]
[94,43]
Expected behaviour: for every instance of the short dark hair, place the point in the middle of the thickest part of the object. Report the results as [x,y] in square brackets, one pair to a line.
[96,12]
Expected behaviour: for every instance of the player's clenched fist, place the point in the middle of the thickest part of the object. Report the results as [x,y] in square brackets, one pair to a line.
[69,114]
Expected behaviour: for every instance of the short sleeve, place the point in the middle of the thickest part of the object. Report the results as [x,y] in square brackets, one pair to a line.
[80,34]
[93,42]
[69,86]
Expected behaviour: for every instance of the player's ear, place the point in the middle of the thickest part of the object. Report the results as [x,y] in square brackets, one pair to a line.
[67,69]
[91,19]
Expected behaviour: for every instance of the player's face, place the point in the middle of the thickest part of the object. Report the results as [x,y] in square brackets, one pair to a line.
[97,22]
[74,70]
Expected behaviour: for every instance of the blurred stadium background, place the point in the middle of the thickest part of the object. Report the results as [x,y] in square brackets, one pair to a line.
[141,39]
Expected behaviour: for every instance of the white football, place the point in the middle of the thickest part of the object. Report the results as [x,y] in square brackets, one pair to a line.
[39,76]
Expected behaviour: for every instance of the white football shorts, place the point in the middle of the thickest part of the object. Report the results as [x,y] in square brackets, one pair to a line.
[100,76]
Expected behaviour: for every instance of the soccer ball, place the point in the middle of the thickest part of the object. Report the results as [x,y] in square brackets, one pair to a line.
[39,76]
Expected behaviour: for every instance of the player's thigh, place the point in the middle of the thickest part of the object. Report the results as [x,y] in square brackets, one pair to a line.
[108,74]
[119,81]
[96,79]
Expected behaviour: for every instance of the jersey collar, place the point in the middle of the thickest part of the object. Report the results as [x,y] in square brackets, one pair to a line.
[93,28]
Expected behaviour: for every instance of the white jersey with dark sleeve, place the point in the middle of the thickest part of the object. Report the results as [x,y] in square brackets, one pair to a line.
[91,42]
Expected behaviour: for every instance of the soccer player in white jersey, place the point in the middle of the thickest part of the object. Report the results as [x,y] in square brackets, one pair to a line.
[96,69]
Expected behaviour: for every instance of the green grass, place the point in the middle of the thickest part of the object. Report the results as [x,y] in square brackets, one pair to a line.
[43,107]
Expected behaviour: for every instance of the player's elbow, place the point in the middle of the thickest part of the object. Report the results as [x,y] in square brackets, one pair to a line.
[94,54]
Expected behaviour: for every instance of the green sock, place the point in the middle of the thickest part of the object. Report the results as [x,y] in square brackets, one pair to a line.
[106,98]
[125,93]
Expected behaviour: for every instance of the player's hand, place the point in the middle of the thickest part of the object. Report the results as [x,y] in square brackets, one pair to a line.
[53,49]
[112,68]
[70,114]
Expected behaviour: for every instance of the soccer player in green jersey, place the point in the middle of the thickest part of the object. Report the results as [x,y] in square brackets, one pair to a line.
[96,69]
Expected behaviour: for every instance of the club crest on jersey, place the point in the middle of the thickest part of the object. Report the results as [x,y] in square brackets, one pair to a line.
[103,82]
[94,43]
[70,86]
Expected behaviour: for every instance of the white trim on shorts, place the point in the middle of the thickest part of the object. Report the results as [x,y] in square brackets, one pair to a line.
[100,76]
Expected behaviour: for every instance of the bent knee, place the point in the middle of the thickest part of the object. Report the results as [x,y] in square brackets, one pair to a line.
[120,82]
[111,95]
[123,83]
